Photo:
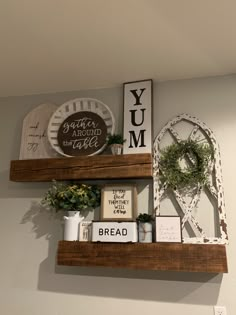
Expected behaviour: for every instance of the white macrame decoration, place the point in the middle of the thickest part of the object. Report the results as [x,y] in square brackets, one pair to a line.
[199,224]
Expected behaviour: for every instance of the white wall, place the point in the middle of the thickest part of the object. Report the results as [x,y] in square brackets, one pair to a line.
[30,281]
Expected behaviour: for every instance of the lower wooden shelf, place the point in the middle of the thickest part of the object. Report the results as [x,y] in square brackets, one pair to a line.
[152,256]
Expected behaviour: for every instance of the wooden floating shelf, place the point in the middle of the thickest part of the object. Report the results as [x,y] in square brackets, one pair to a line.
[150,256]
[85,167]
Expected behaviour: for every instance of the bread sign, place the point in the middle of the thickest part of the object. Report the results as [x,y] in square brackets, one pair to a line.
[114,232]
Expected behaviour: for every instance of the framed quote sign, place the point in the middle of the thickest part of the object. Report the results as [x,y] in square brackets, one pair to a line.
[118,202]
[168,229]
[138,117]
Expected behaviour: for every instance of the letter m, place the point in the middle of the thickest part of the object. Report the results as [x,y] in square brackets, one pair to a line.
[135,140]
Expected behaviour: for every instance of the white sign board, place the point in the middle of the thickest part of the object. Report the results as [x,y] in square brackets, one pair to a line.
[138,117]
[34,141]
[122,232]
[168,229]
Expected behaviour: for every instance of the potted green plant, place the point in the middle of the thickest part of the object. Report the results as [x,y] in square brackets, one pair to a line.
[144,227]
[74,199]
[115,142]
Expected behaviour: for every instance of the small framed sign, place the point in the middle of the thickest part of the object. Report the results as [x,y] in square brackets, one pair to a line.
[168,229]
[119,202]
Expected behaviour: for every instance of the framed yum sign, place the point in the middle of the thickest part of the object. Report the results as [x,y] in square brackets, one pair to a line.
[138,117]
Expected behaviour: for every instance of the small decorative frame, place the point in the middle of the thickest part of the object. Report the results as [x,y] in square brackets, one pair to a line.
[118,202]
[168,229]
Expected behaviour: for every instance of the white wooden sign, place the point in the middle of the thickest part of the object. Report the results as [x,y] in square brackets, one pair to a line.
[138,117]
[34,141]
[114,232]
[85,231]
[168,229]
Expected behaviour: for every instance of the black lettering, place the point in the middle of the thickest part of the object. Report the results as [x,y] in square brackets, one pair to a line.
[137,97]
[100,231]
[118,232]
[106,231]
[133,115]
[135,140]
[124,232]
[112,231]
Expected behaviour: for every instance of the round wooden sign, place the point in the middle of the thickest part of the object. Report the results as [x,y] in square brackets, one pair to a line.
[83,133]
[80,126]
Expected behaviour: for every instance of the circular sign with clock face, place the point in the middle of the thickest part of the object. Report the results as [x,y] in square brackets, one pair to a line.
[80,127]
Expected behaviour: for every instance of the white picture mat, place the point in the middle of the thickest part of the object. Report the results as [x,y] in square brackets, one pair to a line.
[168,229]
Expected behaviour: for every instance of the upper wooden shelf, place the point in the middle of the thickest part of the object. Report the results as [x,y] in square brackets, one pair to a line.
[84,168]
[149,256]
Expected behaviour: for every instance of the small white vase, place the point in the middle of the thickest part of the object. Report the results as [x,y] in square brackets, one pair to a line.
[71,226]
[116,149]
[145,232]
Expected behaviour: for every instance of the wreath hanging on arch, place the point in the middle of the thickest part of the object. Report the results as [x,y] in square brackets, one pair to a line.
[197,156]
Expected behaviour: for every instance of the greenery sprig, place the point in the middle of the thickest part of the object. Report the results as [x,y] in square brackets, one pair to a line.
[197,155]
[115,139]
[72,197]
[144,218]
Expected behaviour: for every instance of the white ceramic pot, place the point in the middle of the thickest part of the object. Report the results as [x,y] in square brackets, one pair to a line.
[71,226]
[145,232]
[116,149]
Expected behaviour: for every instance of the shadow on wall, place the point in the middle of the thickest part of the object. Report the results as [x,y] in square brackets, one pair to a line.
[21,189]
[192,288]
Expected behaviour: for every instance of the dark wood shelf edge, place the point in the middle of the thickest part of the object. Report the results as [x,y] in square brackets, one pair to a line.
[84,168]
[209,258]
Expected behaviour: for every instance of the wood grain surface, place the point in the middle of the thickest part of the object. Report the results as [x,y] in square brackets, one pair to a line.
[153,256]
[84,167]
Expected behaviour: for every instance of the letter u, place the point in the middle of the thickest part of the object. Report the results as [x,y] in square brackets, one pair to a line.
[133,116]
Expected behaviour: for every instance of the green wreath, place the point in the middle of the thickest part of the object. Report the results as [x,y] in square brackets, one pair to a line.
[196,173]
